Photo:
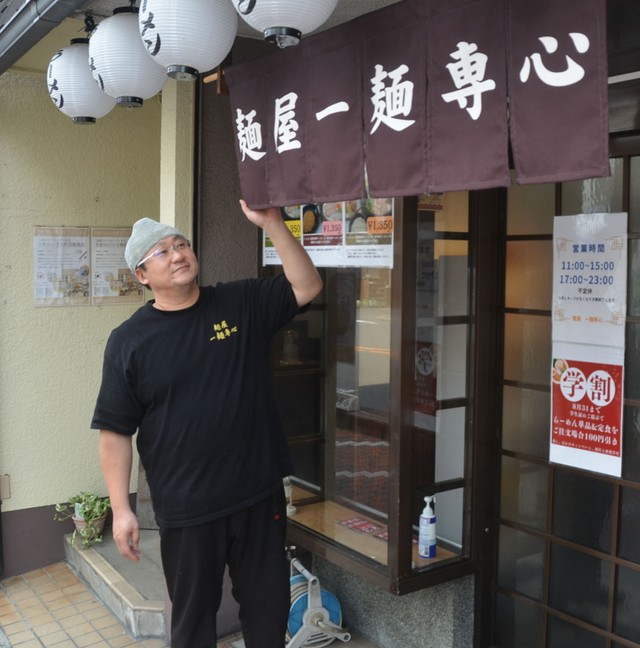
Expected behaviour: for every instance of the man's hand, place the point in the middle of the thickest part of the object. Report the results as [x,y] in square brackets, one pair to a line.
[298,267]
[126,533]
[261,217]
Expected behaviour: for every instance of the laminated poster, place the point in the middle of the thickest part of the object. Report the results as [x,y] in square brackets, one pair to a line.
[588,332]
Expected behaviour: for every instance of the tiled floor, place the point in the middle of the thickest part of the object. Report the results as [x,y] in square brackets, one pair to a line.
[52,607]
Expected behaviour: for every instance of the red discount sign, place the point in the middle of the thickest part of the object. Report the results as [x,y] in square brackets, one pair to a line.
[587,406]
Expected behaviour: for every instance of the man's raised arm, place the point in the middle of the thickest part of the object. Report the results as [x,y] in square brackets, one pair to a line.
[296,263]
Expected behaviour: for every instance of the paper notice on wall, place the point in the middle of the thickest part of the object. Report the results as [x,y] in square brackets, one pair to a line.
[61,266]
[587,364]
[112,282]
[346,234]
[79,266]
[590,278]
[586,406]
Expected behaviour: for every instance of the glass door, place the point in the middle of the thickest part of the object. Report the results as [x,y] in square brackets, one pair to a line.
[568,564]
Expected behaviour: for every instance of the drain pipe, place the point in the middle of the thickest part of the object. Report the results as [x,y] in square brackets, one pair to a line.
[34,20]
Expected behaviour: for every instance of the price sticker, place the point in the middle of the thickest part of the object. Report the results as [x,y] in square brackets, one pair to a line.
[380,225]
[332,228]
[295,227]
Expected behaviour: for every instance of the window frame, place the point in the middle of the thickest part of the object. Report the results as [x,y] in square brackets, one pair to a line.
[398,576]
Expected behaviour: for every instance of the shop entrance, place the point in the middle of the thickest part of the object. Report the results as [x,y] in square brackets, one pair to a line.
[567,541]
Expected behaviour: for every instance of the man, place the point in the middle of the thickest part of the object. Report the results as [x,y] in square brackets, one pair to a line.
[190,372]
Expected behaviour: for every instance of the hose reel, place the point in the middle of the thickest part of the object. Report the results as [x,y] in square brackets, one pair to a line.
[315,616]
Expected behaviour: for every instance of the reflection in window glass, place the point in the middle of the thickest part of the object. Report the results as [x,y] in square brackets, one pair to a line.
[629,543]
[582,510]
[361,471]
[449,512]
[579,585]
[634,195]
[521,624]
[529,274]
[531,209]
[628,604]
[525,421]
[441,364]
[567,635]
[344,496]
[527,341]
[451,366]
[523,493]
[634,278]
[595,195]
[521,563]
[632,361]
[631,444]
[349,501]
[450,210]
[451,277]
[450,443]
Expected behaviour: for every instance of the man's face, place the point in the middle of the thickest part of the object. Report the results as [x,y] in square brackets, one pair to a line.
[169,263]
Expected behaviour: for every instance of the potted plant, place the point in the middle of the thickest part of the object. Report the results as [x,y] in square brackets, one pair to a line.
[88,512]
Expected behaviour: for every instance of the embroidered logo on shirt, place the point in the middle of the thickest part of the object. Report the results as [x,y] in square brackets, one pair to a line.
[222,331]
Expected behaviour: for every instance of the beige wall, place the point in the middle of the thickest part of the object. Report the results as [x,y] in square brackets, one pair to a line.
[53,172]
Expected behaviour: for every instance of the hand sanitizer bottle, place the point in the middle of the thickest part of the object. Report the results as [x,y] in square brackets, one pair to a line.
[427,535]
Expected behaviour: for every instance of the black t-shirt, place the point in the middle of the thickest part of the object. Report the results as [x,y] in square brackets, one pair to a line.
[196,385]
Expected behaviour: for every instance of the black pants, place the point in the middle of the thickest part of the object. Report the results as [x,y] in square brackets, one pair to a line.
[252,543]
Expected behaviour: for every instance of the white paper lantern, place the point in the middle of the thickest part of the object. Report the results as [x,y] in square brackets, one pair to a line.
[72,87]
[119,60]
[284,21]
[187,36]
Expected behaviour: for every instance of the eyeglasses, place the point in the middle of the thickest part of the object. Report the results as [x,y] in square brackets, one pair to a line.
[164,252]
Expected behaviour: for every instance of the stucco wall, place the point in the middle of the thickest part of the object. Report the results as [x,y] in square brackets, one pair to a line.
[53,172]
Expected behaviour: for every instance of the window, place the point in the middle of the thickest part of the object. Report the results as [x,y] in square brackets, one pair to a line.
[375,401]
[568,570]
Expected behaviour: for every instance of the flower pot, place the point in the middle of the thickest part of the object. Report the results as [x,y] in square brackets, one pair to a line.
[87,536]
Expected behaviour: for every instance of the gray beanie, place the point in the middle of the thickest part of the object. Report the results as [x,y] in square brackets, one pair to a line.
[145,234]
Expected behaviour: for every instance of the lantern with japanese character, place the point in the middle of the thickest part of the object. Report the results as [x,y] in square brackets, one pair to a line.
[72,87]
[119,60]
[187,36]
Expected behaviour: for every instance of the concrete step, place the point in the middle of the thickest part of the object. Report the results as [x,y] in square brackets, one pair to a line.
[134,592]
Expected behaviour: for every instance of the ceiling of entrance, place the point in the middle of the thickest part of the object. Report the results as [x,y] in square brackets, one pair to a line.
[50,24]
[345,11]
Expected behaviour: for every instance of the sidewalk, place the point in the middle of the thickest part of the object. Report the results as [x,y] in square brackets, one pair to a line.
[52,607]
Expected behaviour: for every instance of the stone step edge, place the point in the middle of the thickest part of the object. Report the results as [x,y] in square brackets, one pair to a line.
[131,599]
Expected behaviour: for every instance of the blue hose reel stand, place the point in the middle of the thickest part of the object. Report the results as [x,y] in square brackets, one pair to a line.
[315,616]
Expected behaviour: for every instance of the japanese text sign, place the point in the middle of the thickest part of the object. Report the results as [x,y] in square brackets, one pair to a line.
[590,279]
[587,366]
[558,90]
[586,417]
[422,96]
